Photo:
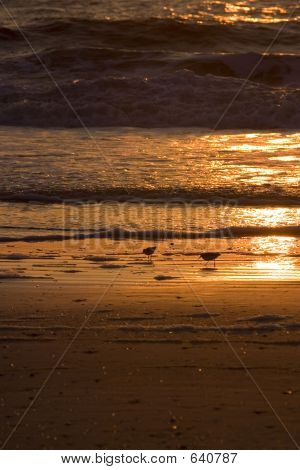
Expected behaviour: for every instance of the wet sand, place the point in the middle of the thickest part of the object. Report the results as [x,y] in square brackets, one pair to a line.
[170,356]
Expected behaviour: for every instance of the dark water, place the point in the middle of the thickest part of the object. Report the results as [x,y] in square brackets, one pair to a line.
[151,64]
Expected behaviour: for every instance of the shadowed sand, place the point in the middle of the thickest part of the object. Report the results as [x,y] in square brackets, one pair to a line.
[153,367]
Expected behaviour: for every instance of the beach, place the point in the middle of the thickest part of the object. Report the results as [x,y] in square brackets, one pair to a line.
[172,126]
[103,349]
[167,355]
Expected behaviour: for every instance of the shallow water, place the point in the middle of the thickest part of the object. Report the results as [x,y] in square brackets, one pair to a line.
[174,184]
[154,65]
[120,163]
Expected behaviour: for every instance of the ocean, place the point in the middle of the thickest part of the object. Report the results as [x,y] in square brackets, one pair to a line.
[151,120]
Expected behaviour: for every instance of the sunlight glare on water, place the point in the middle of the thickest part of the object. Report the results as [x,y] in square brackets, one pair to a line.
[188,163]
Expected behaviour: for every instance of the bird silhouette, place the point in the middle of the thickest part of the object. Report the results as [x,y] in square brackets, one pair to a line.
[210,256]
[149,252]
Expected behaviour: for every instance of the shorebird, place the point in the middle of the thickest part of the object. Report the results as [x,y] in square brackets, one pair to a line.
[149,252]
[210,256]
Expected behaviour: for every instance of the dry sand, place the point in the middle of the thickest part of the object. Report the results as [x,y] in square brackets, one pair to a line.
[170,356]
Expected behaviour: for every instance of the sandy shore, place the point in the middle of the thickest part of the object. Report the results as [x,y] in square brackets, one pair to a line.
[171,355]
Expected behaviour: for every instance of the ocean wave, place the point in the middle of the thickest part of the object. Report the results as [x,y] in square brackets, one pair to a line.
[150,73]
[119,233]
[272,69]
[172,100]
[253,231]
[169,34]
[268,196]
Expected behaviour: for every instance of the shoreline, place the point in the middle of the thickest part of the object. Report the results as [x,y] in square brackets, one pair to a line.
[154,366]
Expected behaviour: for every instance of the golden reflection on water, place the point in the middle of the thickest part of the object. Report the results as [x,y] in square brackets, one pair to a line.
[285,158]
[251,12]
[270,217]
[231,12]
[271,260]
[281,266]
[236,7]
[279,245]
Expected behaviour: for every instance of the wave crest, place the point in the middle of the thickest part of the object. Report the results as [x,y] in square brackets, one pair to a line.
[119,233]
[169,34]
[177,100]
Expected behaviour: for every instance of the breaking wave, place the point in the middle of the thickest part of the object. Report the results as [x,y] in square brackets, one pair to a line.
[119,233]
[177,100]
[268,196]
[150,73]
[159,33]
[271,69]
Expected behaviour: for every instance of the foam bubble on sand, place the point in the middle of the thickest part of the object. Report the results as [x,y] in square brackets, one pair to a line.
[14,256]
[21,256]
[146,341]
[72,271]
[113,266]
[99,259]
[203,315]
[12,339]
[195,328]
[14,275]
[161,277]
[265,318]
[34,328]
